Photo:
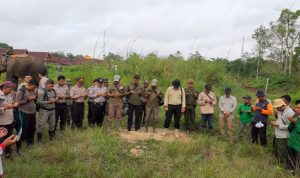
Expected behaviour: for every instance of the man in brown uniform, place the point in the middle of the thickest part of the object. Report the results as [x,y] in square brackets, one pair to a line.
[134,94]
[191,95]
[154,96]
[61,111]
[115,92]
[78,94]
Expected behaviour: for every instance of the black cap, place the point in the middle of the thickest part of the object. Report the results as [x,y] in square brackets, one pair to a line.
[176,83]
[100,80]
[227,90]
[260,93]
[247,97]
[208,86]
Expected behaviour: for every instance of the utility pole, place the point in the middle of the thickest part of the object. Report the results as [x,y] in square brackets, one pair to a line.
[103,45]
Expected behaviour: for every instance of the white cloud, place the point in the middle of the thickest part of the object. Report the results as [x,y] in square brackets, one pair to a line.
[212,27]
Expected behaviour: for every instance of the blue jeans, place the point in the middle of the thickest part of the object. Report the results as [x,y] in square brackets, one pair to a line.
[207,118]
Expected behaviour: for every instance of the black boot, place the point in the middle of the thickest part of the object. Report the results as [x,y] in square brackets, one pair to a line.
[39,138]
[51,135]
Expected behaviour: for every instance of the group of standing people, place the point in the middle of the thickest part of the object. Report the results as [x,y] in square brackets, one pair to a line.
[59,102]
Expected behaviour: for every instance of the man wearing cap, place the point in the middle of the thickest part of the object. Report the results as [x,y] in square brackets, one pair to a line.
[78,94]
[115,92]
[207,101]
[69,102]
[263,109]
[91,101]
[245,117]
[191,95]
[63,94]
[98,94]
[154,96]
[7,105]
[46,100]
[144,100]
[227,105]
[284,112]
[134,94]
[174,104]
[26,97]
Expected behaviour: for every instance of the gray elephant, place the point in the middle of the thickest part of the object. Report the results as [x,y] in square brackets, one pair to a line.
[17,67]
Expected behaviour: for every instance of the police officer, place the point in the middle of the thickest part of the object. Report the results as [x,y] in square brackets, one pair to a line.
[91,101]
[63,93]
[98,94]
[69,102]
[78,94]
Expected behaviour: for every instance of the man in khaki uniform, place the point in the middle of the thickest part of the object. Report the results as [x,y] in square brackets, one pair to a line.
[154,96]
[63,94]
[191,95]
[227,105]
[78,94]
[115,92]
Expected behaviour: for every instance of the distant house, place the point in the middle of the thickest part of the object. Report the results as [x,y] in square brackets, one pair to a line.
[16,51]
[43,56]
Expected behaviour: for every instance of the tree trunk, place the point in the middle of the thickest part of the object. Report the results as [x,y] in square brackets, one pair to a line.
[290,63]
[257,67]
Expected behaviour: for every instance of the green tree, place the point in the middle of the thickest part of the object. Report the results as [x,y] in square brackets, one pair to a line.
[4,45]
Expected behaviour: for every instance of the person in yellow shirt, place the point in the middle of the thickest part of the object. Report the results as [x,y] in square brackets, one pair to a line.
[174,104]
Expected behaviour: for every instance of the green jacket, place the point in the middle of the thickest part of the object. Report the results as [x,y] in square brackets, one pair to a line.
[294,140]
[246,113]
[191,96]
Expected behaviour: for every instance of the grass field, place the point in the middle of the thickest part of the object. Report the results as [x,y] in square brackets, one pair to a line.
[95,153]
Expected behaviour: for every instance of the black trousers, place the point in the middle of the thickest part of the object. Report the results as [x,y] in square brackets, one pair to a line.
[138,111]
[10,129]
[90,114]
[61,114]
[98,112]
[293,159]
[176,111]
[261,132]
[28,128]
[77,115]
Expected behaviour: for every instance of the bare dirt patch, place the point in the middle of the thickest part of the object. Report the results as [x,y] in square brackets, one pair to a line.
[141,135]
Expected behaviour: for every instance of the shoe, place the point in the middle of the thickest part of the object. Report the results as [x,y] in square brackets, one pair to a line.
[39,138]
[177,133]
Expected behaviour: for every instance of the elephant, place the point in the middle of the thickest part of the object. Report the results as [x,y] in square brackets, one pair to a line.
[17,67]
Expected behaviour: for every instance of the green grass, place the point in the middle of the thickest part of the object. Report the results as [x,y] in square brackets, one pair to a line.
[93,153]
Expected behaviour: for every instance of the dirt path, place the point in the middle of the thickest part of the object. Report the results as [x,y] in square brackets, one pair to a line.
[141,135]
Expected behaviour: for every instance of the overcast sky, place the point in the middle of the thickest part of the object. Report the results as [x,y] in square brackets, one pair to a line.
[213,27]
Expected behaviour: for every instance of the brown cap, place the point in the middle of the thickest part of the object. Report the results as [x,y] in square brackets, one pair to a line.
[8,84]
[190,81]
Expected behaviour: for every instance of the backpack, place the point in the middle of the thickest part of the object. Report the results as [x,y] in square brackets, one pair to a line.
[45,98]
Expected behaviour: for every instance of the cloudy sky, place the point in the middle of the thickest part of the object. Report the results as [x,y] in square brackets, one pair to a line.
[213,27]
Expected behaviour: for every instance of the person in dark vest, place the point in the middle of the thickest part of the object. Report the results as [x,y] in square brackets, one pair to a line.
[134,94]
[46,100]
[191,95]
[26,97]
[262,109]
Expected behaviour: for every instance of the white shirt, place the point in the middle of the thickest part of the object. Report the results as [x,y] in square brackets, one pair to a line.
[42,83]
[282,130]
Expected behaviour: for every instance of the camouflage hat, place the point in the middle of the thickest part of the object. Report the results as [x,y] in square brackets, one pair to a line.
[68,81]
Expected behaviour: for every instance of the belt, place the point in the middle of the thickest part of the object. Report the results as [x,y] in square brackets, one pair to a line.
[78,103]
[60,103]
[98,103]
[48,109]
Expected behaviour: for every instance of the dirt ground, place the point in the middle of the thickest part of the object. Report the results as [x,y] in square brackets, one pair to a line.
[141,135]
